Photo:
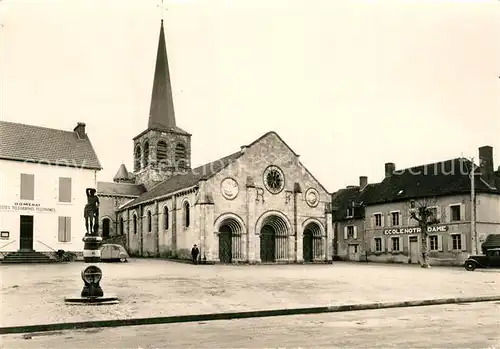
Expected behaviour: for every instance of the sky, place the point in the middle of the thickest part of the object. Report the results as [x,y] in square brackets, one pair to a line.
[348,84]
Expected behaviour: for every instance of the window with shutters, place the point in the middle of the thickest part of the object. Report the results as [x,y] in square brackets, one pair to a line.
[395,243]
[64,189]
[378,219]
[134,223]
[64,229]
[27,186]
[350,212]
[456,240]
[378,244]
[350,231]
[433,243]
[433,211]
[165,218]
[395,218]
[455,213]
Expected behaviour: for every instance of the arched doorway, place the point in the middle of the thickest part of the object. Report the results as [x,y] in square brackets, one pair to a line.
[230,246]
[105,228]
[225,242]
[307,245]
[273,239]
[312,242]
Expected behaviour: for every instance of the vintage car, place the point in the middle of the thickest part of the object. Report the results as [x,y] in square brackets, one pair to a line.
[489,260]
[113,253]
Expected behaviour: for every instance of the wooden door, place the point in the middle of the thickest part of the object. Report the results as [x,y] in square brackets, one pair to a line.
[267,244]
[307,246]
[26,233]
[414,250]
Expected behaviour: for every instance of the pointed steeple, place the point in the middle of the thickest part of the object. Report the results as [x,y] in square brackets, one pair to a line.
[161,113]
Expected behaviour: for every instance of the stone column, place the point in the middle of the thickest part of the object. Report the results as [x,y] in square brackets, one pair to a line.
[252,239]
[300,243]
[155,227]
[329,237]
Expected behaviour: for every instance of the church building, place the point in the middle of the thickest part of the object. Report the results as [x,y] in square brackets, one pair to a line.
[257,204]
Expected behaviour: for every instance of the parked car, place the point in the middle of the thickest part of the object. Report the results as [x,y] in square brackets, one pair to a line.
[489,260]
[113,253]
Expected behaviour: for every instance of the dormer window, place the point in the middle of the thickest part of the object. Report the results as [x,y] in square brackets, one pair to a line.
[350,212]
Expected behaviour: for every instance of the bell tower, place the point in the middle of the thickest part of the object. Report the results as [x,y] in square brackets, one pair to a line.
[163,149]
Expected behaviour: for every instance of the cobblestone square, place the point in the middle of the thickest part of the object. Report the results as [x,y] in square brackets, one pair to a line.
[34,294]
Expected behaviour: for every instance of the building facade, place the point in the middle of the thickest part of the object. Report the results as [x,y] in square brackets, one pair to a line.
[256,205]
[373,221]
[43,176]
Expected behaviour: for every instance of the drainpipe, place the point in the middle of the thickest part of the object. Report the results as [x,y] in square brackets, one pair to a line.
[473,232]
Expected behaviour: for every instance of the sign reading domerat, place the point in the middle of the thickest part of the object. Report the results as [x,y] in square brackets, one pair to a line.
[26,206]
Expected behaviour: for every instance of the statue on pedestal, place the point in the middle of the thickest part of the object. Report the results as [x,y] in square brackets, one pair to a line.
[91,212]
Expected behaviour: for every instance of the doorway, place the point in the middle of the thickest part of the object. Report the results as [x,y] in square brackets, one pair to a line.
[26,233]
[414,253]
[225,244]
[353,252]
[105,228]
[307,246]
[267,244]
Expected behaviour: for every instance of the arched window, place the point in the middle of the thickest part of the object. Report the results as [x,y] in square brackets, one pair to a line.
[105,228]
[165,217]
[161,151]
[180,155]
[137,159]
[186,214]
[146,154]
[135,224]
[121,226]
[149,221]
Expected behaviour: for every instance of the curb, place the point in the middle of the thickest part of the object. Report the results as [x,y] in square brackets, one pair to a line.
[239,315]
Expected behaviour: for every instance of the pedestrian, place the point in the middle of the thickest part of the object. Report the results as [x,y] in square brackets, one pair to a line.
[194,254]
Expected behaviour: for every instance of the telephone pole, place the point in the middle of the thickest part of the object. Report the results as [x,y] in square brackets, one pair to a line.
[473,232]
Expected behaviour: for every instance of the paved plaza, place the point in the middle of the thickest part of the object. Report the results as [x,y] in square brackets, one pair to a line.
[33,294]
[474,325]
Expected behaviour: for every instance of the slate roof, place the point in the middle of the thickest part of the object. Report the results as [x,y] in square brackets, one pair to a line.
[432,180]
[186,180]
[120,189]
[23,142]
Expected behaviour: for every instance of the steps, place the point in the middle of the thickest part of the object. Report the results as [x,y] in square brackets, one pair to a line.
[21,257]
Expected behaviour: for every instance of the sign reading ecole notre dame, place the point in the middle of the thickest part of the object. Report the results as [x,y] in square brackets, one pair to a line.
[26,206]
[416,230]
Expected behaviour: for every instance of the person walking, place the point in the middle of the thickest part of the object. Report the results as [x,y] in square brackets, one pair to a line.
[194,254]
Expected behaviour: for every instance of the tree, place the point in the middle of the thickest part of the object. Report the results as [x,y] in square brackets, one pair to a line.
[425,214]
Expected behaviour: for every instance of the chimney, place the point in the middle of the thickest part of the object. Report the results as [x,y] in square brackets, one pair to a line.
[363,181]
[486,164]
[390,167]
[80,130]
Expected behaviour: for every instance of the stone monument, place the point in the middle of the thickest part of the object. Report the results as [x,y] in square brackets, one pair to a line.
[92,292]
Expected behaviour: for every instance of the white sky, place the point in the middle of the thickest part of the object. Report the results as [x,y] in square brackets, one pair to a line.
[349,85]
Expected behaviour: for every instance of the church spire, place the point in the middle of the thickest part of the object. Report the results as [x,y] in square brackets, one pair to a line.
[161,113]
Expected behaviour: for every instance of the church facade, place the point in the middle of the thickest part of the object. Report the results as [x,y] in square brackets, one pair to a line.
[258,204]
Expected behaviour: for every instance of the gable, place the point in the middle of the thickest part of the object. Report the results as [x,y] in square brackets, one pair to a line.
[272,149]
